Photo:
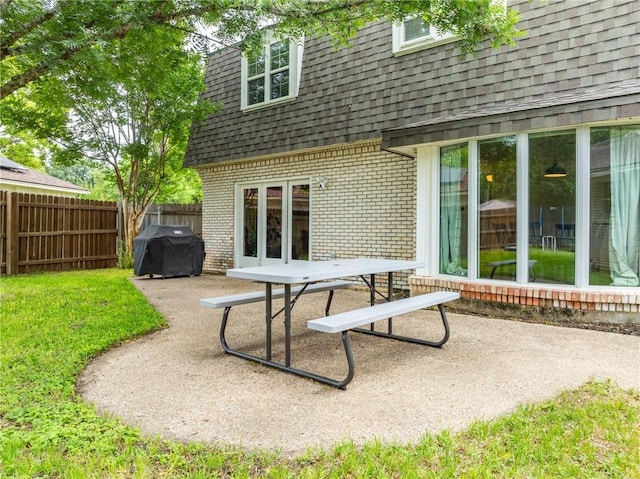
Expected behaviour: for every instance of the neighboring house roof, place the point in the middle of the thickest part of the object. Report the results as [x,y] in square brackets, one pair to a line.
[571,49]
[16,177]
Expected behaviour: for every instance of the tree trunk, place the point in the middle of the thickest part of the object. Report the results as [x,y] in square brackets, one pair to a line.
[133,216]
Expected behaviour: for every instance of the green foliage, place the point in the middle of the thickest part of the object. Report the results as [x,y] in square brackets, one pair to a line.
[134,111]
[551,266]
[124,124]
[51,325]
[23,148]
[125,258]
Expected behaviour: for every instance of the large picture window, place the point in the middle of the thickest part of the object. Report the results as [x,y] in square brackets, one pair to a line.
[508,207]
[552,205]
[497,207]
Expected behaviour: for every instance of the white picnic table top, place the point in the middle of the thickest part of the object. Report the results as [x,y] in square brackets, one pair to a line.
[310,271]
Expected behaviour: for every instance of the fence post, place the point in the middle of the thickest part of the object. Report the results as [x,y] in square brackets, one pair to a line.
[13,225]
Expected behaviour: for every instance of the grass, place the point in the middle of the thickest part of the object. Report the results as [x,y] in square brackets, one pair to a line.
[552,266]
[51,325]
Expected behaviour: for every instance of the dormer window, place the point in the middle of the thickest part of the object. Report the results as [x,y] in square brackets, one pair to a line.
[272,74]
[415,34]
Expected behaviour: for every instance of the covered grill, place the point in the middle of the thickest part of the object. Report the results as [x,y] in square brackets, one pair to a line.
[166,251]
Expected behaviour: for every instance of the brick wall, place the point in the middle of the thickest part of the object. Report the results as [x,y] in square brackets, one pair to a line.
[538,302]
[367,207]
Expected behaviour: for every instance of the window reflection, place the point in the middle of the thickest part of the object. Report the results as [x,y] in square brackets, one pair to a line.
[552,186]
[250,209]
[497,185]
[279,55]
[274,222]
[300,222]
[255,91]
[415,28]
[279,85]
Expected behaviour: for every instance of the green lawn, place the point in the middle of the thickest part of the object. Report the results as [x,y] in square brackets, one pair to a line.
[51,325]
[551,266]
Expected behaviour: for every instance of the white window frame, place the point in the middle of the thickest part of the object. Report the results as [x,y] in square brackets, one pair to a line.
[296,48]
[428,211]
[434,38]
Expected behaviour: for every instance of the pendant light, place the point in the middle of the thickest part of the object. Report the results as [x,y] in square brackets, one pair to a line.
[555,171]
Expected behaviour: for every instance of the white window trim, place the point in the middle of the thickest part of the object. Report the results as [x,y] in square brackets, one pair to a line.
[296,49]
[400,47]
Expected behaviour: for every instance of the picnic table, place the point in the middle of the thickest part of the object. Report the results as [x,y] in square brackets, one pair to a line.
[318,276]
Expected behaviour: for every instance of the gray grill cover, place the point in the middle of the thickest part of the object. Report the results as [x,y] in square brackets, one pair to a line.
[167,250]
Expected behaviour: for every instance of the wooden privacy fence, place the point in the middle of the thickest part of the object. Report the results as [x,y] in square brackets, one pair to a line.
[170,214]
[51,233]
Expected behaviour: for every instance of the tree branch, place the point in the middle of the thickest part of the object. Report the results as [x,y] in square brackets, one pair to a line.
[6,43]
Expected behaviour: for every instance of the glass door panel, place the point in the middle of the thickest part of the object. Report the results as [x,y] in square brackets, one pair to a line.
[454,169]
[274,222]
[614,255]
[250,222]
[300,221]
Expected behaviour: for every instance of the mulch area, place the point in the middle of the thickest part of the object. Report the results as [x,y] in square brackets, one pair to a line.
[632,329]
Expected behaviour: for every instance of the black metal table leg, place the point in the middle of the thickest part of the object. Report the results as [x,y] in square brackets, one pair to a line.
[268,319]
[372,297]
[287,324]
[337,383]
[389,299]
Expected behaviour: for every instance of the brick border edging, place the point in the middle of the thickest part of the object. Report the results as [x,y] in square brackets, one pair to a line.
[538,301]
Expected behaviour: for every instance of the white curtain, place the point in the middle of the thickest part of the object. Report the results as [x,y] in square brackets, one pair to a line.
[450,221]
[624,244]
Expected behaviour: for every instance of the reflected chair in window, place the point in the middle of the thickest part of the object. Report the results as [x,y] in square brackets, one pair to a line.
[500,230]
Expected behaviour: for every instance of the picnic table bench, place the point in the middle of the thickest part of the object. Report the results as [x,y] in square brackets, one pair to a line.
[497,264]
[355,319]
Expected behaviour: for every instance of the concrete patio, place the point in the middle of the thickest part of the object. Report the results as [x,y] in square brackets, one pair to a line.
[178,383]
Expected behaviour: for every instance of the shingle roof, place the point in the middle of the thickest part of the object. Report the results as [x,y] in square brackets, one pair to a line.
[534,104]
[598,104]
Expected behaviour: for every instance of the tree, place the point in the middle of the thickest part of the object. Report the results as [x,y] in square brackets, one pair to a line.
[40,38]
[134,112]
[132,115]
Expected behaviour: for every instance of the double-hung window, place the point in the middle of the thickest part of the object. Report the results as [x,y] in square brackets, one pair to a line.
[415,34]
[271,74]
